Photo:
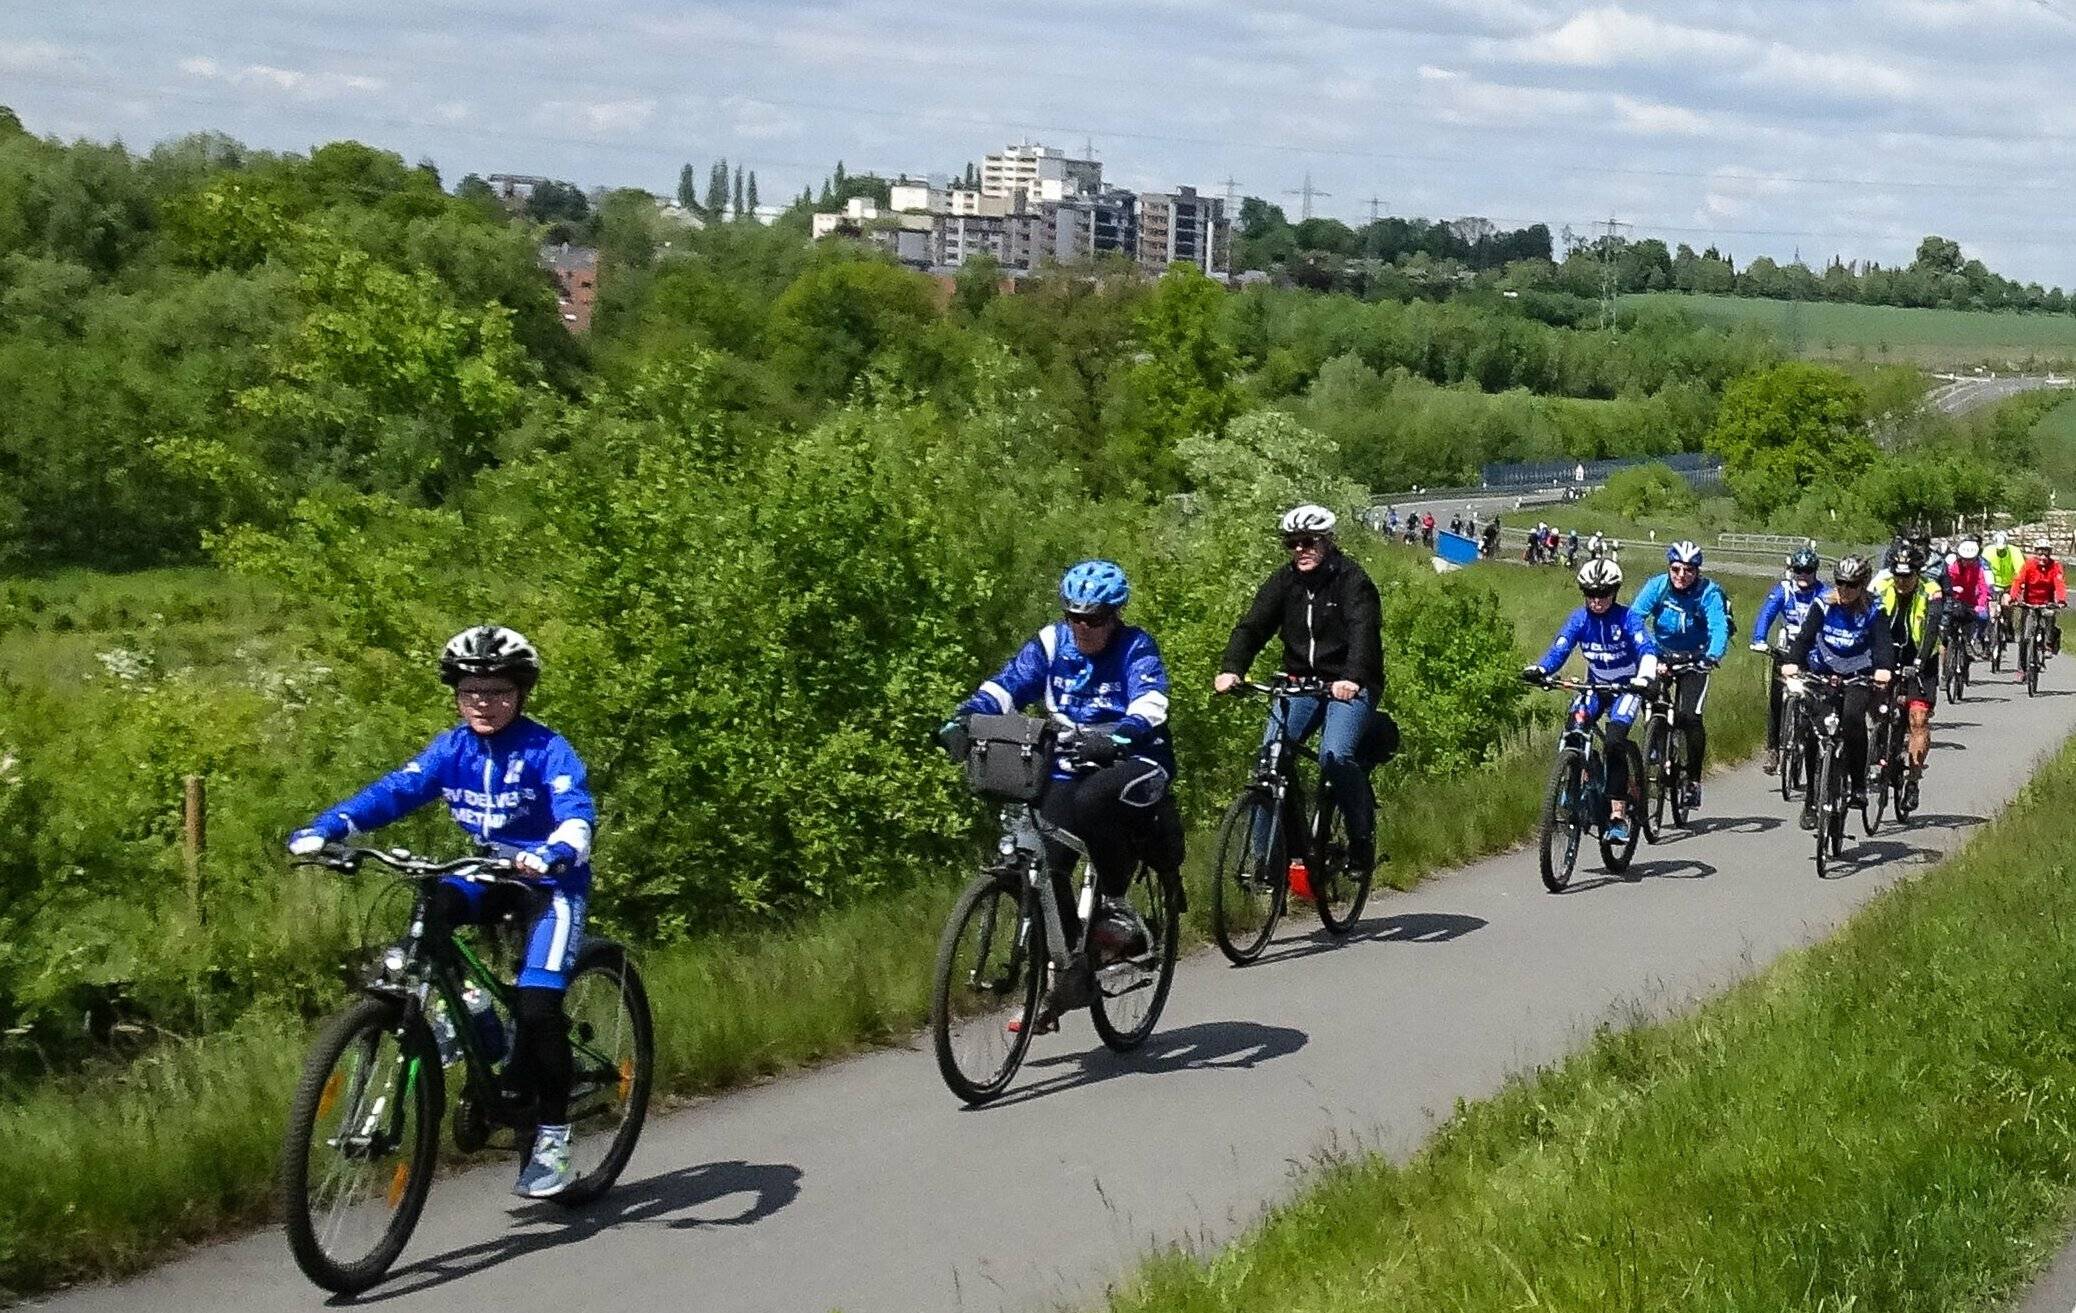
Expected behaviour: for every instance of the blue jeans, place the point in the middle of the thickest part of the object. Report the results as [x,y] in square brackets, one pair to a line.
[1345,722]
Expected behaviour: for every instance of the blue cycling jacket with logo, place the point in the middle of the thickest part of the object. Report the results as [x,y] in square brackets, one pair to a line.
[1786,604]
[1125,686]
[1612,643]
[1686,621]
[522,787]
[1836,639]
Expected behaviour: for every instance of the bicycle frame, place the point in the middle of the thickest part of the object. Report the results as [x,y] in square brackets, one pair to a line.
[1034,873]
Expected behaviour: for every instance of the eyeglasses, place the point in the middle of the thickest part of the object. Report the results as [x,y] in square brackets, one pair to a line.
[1093,620]
[486,697]
[1681,567]
[1598,594]
[1301,542]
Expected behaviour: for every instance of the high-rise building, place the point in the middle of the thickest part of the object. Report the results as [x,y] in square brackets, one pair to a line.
[1087,226]
[1181,226]
[1038,173]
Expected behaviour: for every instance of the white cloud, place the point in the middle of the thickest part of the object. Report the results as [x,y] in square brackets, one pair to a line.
[1603,38]
[604,118]
[299,83]
[32,56]
[198,66]
[1654,119]
[759,120]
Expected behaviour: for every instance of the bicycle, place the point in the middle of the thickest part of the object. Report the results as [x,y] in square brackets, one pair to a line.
[1006,932]
[1955,638]
[1789,768]
[2032,644]
[1255,870]
[1829,791]
[1577,796]
[1888,752]
[1665,753]
[2000,636]
[363,1127]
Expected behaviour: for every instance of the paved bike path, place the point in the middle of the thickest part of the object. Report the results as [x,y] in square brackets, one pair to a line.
[864,1186]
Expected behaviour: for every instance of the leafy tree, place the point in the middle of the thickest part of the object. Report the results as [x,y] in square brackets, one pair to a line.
[1183,384]
[976,285]
[688,188]
[1939,255]
[752,211]
[842,314]
[1782,429]
[738,210]
[717,191]
[551,202]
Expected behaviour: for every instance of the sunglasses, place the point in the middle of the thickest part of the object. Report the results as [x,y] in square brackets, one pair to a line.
[1299,542]
[1091,619]
[1598,594]
[1679,568]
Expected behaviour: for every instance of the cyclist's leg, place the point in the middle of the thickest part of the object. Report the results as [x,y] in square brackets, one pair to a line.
[1616,742]
[1301,713]
[1774,692]
[540,1045]
[1922,700]
[1853,729]
[1342,768]
[1692,697]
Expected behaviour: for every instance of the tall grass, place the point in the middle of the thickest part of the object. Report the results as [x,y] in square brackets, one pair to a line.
[109,1173]
[1884,1121]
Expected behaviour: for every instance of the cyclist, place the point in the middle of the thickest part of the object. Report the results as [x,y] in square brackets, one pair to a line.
[1915,606]
[2003,561]
[1571,549]
[2039,582]
[1966,584]
[1688,617]
[1112,780]
[1844,634]
[1786,605]
[1331,621]
[1616,648]
[517,787]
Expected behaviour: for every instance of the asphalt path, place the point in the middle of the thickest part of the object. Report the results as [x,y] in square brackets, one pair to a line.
[1960,395]
[865,1186]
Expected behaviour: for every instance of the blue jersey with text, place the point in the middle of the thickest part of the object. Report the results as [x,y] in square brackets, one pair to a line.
[1845,641]
[1787,604]
[1612,643]
[1124,686]
[1688,621]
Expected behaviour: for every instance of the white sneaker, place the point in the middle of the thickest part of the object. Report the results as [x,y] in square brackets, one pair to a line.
[547,1171]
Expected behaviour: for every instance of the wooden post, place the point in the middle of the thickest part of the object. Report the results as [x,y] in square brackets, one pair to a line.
[194,837]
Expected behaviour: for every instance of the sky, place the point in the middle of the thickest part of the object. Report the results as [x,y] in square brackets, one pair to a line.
[1832,127]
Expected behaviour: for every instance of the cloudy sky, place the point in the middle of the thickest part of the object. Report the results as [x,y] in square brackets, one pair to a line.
[1833,126]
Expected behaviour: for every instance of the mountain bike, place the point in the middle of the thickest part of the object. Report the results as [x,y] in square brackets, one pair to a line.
[1258,863]
[363,1133]
[2034,642]
[1888,752]
[1789,769]
[1007,933]
[1665,752]
[1958,626]
[2000,636]
[1830,791]
[1577,797]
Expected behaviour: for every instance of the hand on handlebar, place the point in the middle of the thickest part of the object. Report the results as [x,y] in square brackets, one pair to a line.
[306,843]
[1534,675]
[1226,682]
[1761,646]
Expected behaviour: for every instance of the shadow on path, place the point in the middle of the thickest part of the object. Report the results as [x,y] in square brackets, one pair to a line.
[1402,928]
[1701,825]
[1866,854]
[1206,1046]
[1665,868]
[665,1199]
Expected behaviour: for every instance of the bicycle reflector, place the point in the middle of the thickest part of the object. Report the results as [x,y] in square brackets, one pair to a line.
[1300,879]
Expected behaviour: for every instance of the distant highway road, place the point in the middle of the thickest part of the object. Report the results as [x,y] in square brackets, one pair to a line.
[1960,394]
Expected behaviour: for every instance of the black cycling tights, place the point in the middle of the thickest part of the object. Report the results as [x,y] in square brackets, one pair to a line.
[541,1061]
[1692,693]
[1122,814]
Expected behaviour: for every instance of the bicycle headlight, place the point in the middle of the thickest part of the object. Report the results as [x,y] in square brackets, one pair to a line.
[1831,722]
[393,961]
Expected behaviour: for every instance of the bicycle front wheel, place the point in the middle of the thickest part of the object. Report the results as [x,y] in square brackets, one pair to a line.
[1617,856]
[1563,820]
[1657,745]
[1131,991]
[613,1043]
[1826,781]
[1339,886]
[1676,776]
[363,1132]
[1248,878]
[984,1002]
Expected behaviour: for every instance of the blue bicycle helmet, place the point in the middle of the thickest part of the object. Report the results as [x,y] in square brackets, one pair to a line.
[1094,586]
[1683,552]
[1804,561]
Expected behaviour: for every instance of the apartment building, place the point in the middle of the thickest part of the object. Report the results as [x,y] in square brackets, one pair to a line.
[1038,173]
[575,271]
[1181,226]
[1088,226]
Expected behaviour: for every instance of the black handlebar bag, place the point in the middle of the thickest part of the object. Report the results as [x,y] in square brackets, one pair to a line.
[1009,758]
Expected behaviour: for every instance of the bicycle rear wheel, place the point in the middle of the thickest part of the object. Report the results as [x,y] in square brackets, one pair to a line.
[1131,991]
[358,1155]
[988,974]
[1676,776]
[1247,881]
[1563,820]
[1792,765]
[1826,781]
[1656,740]
[1339,886]
[613,1044]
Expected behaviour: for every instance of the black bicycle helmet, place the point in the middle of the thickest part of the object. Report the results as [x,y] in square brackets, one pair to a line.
[490,650]
[1804,560]
[1852,570]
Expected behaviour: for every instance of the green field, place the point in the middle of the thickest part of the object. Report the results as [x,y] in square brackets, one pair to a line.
[1892,333]
[2056,435]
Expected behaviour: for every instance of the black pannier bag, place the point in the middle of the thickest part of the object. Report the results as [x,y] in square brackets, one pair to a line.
[1379,741]
[1008,758]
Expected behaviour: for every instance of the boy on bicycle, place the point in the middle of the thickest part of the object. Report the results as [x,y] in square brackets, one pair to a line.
[517,787]
[1617,650]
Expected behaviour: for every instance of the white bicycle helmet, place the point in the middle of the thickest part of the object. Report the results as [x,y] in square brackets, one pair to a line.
[2000,539]
[1307,519]
[1969,549]
[1599,576]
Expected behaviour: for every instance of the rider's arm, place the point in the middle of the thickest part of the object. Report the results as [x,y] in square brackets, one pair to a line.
[1017,684]
[1806,637]
[1560,648]
[1935,616]
[1146,681]
[1647,599]
[1715,606]
[569,803]
[402,791]
[1364,616]
[2060,578]
[1883,648]
[1769,611]
[1254,628]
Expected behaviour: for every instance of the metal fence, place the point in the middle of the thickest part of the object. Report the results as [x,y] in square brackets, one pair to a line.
[1688,465]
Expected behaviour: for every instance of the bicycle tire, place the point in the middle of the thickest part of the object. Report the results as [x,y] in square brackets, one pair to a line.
[1024,968]
[1616,858]
[1336,881]
[1166,893]
[1676,776]
[1823,786]
[1562,821]
[1792,764]
[1653,818]
[1871,816]
[632,1069]
[1233,875]
[369,1018]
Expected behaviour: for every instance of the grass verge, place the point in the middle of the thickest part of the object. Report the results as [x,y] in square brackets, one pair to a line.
[110,1173]
[1885,1121]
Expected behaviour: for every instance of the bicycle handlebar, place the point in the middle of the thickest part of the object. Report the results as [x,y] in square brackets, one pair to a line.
[347,860]
[1287,686]
[1586,685]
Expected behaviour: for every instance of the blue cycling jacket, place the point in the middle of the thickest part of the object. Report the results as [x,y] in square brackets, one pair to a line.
[1125,686]
[523,787]
[1787,604]
[1612,644]
[1686,621]
[1836,639]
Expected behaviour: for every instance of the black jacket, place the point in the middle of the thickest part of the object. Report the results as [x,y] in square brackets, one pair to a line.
[1331,622]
